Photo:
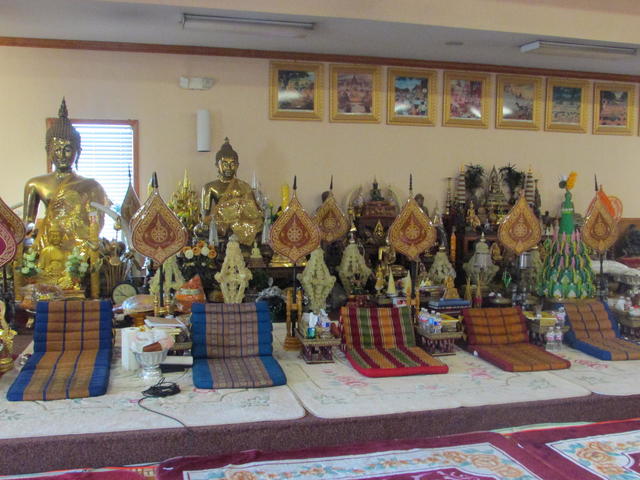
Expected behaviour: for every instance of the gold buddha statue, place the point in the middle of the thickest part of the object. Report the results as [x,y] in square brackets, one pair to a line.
[51,261]
[66,197]
[230,201]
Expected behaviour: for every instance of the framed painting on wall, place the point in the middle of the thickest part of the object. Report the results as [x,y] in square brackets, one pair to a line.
[295,91]
[614,107]
[567,103]
[466,102]
[355,93]
[518,102]
[411,96]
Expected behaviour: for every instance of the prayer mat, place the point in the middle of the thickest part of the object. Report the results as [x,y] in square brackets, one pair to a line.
[478,456]
[499,336]
[232,346]
[596,451]
[594,331]
[71,354]
[380,342]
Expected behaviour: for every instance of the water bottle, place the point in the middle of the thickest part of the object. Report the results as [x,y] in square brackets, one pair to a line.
[558,339]
[550,339]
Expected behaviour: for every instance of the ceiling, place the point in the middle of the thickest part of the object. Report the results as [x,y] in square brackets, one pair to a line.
[357,32]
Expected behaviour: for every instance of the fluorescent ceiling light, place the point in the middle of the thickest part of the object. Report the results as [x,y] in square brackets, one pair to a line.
[566,49]
[247,26]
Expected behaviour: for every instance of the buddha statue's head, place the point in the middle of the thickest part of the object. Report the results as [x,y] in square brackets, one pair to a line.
[63,141]
[55,235]
[227,161]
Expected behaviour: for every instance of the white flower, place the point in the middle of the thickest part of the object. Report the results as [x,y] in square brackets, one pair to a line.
[30,265]
[188,254]
[204,251]
[25,270]
[83,267]
[30,256]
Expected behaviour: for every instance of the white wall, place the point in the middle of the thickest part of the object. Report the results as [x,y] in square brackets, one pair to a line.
[145,87]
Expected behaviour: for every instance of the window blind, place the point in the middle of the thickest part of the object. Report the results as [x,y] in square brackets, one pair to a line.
[107,157]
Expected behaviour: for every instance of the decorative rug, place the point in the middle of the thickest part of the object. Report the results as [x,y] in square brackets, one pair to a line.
[118,410]
[476,456]
[596,451]
[604,377]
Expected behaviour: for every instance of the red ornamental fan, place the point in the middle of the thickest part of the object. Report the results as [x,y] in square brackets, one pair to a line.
[600,229]
[412,232]
[157,232]
[8,245]
[294,234]
[331,222]
[520,229]
[12,222]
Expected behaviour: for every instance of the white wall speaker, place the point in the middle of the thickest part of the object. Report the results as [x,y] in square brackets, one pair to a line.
[203,131]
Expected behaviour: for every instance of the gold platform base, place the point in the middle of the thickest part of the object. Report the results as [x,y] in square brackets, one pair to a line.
[6,364]
[292,343]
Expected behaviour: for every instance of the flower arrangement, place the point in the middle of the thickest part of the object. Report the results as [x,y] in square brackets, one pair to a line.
[198,259]
[29,267]
[76,266]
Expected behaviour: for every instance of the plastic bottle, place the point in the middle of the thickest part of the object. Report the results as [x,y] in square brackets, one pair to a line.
[557,339]
[550,339]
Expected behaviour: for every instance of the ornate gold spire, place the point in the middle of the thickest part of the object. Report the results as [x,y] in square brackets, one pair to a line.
[62,128]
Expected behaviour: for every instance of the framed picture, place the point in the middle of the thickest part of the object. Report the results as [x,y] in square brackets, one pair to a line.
[411,96]
[614,108]
[466,102]
[295,91]
[355,93]
[567,103]
[518,102]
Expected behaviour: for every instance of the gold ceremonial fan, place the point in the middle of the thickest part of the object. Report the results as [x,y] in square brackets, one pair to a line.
[332,223]
[520,229]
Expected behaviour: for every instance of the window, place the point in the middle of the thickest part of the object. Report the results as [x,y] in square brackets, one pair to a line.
[109,155]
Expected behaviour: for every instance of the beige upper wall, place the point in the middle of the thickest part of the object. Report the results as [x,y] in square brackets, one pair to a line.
[603,20]
[145,87]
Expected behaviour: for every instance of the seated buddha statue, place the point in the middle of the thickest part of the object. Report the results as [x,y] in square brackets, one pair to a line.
[52,258]
[230,201]
[65,195]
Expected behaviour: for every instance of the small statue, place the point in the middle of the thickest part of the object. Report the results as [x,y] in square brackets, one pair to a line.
[353,268]
[234,276]
[473,222]
[51,261]
[376,194]
[184,203]
[255,259]
[316,281]
[419,198]
[6,341]
[231,201]
[66,195]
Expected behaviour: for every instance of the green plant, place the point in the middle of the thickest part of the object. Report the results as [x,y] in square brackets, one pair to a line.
[473,177]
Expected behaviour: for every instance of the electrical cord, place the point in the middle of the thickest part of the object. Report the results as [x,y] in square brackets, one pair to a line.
[160,390]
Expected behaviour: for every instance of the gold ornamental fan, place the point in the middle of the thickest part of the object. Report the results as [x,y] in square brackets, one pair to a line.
[157,232]
[294,234]
[520,229]
[600,229]
[412,232]
[332,223]
[12,222]
[8,245]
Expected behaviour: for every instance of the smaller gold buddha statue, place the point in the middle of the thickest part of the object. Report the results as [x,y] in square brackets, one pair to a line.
[52,258]
[230,200]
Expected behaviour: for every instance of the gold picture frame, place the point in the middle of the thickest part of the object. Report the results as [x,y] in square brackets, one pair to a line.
[566,105]
[614,108]
[411,96]
[355,94]
[466,100]
[295,91]
[518,102]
